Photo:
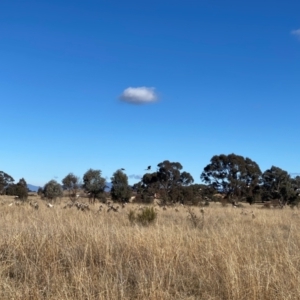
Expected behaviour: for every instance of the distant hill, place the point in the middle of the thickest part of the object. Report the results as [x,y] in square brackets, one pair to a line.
[33,188]
[108,186]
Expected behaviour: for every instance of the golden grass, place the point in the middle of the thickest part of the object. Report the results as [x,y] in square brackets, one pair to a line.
[69,254]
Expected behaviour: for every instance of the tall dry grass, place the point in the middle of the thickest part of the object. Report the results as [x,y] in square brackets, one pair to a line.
[69,254]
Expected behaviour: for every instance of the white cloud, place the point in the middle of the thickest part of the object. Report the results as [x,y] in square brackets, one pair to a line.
[296,32]
[139,95]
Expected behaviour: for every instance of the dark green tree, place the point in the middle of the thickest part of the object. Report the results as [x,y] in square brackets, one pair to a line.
[233,175]
[278,184]
[296,184]
[171,180]
[120,190]
[53,190]
[167,181]
[11,190]
[5,181]
[21,189]
[296,189]
[204,190]
[71,183]
[94,184]
[147,188]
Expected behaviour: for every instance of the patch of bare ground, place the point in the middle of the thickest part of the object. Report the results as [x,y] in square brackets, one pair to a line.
[56,253]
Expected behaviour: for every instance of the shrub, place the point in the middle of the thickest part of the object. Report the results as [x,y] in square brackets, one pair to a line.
[145,217]
[53,190]
[22,192]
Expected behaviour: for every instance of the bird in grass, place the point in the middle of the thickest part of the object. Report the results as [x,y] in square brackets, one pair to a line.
[149,168]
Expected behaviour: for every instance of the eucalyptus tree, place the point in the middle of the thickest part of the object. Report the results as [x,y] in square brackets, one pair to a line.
[21,189]
[94,184]
[5,181]
[233,175]
[147,188]
[167,181]
[278,184]
[172,180]
[120,189]
[72,184]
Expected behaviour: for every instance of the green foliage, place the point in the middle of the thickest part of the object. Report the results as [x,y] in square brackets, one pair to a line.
[296,183]
[172,180]
[145,217]
[167,181]
[11,190]
[277,184]
[53,190]
[233,175]
[72,184]
[5,181]
[93,184]
[149,186]
[295,200]
[169,175]
[120,190]
[21,189]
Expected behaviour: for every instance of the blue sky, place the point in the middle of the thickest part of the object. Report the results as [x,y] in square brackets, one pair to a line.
[226,74]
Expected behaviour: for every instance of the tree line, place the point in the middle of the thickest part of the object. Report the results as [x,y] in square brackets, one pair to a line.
[234,177]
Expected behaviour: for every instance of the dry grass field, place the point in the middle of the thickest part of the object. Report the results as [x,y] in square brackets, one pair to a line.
[56,253]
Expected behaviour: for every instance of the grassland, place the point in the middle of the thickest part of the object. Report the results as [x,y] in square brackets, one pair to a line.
[56,253]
